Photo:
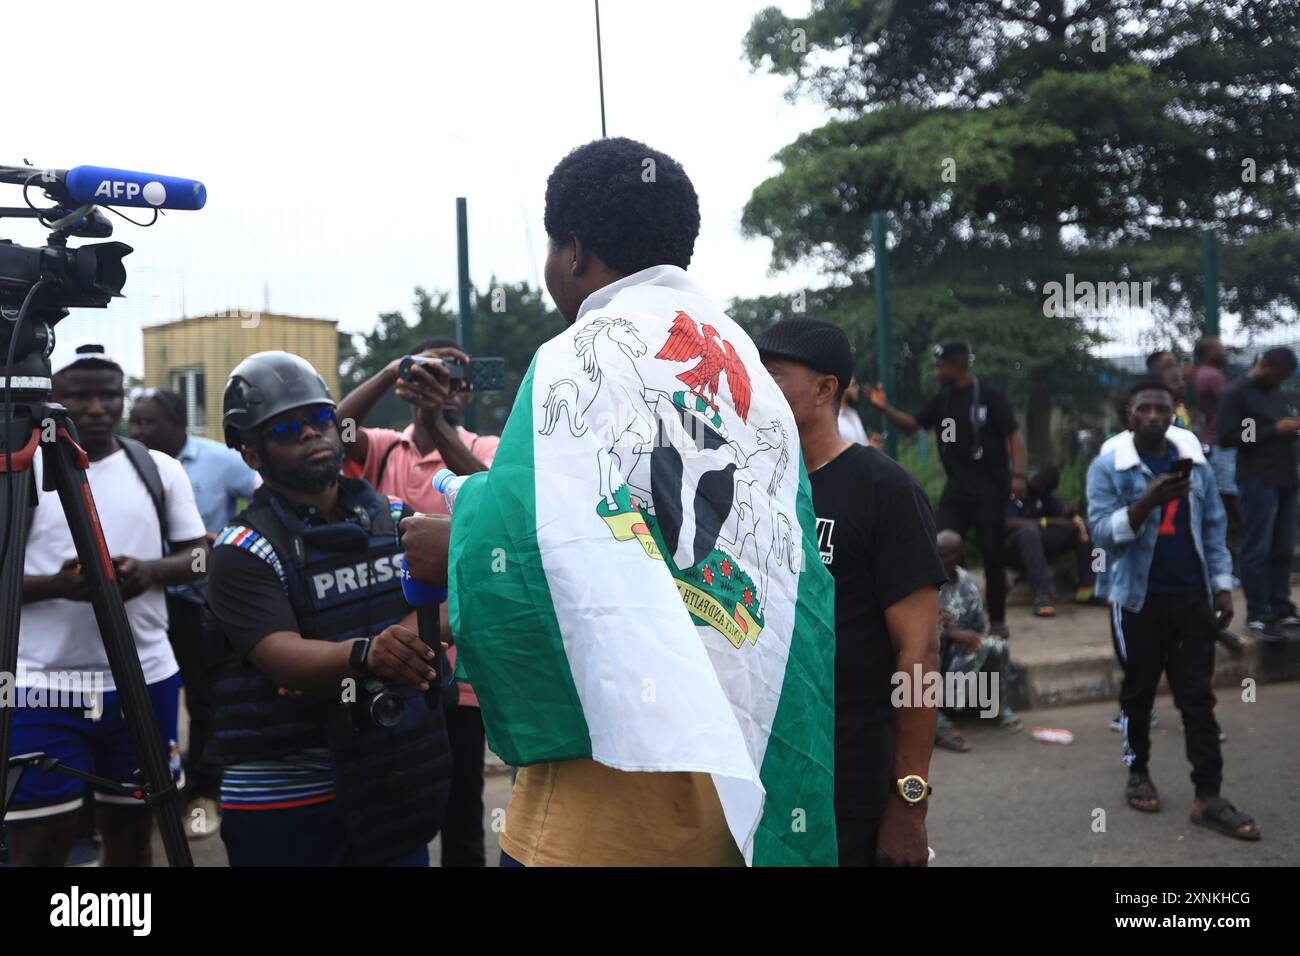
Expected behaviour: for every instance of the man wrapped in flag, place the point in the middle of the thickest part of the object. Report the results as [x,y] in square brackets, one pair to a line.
[635,586]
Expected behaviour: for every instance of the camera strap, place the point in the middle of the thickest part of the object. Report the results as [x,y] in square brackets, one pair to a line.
[144,465]
[383,463]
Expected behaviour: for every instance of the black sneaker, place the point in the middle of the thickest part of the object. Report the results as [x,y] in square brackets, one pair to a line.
[1269,632]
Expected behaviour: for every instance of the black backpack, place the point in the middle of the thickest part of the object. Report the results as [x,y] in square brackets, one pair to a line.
[147,469]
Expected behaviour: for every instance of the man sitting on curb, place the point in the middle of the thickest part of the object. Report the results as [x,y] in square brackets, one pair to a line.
[965,645]
[1039,530]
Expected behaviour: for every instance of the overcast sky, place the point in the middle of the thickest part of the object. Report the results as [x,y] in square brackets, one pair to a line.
[334,138]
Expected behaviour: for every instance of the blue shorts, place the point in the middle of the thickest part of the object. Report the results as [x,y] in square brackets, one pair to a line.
[100,746]
[1223,462]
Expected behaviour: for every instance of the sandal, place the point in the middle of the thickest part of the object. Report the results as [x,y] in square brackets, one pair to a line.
[1141,793]
[1221,815]
[949,739]
[1043,607]
[1010,722]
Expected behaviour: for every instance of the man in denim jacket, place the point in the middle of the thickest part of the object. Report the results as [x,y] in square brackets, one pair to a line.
[1162,530]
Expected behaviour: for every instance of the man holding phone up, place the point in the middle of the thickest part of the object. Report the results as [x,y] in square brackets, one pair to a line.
[403,464]
[1155,509]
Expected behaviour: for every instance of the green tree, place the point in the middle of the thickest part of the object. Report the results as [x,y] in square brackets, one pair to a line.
[1014,141]
[510,320]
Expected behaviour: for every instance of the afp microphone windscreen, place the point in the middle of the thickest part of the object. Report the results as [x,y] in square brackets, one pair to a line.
[105,186]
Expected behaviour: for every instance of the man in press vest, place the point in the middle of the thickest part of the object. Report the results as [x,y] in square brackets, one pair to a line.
[320,769]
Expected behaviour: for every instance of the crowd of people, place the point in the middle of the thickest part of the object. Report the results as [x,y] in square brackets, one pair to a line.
[265,574]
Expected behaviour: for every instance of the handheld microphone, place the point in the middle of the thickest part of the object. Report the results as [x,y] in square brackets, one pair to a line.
[425,598]
[105,186]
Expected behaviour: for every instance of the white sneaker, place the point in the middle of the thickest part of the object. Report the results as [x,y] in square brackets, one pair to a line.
[1117,723]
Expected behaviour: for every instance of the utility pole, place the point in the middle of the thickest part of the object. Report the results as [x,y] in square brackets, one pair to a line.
[1210,276]
[466,330]
[884,324]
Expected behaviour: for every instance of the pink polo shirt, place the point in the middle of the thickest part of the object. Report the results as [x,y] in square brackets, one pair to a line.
[409,475]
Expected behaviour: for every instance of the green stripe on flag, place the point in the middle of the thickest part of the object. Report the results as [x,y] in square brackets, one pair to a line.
[501,610]
[798,772]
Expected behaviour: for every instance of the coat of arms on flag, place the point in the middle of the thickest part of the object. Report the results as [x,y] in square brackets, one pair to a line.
[657,526]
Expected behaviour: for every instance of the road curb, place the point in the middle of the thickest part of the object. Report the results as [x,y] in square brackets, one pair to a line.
[1092,676]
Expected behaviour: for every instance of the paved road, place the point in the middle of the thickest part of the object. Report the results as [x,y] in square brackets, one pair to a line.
[1014,801]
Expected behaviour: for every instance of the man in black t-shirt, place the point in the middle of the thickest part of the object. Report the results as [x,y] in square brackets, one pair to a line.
[1039,530]
[1256,418]
[876,536]
[980,446]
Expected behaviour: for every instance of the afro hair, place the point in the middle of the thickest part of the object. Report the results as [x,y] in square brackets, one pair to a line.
[631,205]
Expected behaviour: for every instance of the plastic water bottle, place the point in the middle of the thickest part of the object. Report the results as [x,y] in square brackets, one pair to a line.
[447,483]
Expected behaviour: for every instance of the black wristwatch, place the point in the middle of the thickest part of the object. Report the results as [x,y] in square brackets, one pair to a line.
[357,658]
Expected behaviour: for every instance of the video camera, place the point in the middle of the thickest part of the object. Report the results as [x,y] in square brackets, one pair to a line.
[69,278]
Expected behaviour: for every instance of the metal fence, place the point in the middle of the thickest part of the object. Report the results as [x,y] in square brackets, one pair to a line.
[1062,375]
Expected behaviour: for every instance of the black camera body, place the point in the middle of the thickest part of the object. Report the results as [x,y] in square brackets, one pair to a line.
[380,704]
[481,375]
[85,277]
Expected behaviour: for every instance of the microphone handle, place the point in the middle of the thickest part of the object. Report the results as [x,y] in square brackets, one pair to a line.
[426,616]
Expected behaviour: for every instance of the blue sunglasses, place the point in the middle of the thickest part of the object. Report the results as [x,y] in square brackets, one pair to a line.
[288,433]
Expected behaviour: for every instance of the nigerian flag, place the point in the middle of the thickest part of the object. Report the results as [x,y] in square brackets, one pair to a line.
[637,579]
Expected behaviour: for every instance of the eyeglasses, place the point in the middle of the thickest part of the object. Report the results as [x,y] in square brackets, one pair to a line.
[288,433]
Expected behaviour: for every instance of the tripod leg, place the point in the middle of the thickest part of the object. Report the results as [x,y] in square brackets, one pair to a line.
[13,553]
[65,465]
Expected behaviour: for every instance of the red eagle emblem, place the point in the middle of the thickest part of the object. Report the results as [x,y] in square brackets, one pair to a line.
[687,341]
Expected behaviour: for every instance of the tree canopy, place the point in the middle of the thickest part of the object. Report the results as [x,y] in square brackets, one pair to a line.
[1013,141]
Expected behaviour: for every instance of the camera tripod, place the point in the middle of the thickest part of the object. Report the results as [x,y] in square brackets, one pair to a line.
[47,426]
[47,280]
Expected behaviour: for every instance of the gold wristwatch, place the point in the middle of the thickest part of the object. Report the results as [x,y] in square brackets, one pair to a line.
[913,788]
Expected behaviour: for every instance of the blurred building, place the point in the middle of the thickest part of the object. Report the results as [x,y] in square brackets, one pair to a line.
[195,356]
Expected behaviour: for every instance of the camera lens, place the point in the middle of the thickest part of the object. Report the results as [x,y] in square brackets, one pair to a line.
[387,709]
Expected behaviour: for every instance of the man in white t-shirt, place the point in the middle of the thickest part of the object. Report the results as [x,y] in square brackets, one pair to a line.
[850,422]
[59,636]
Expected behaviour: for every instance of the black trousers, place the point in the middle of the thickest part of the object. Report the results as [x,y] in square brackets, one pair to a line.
[858,813]
[1173,634]
[185,634]
[1033,549]
[462,828]
[988,513]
